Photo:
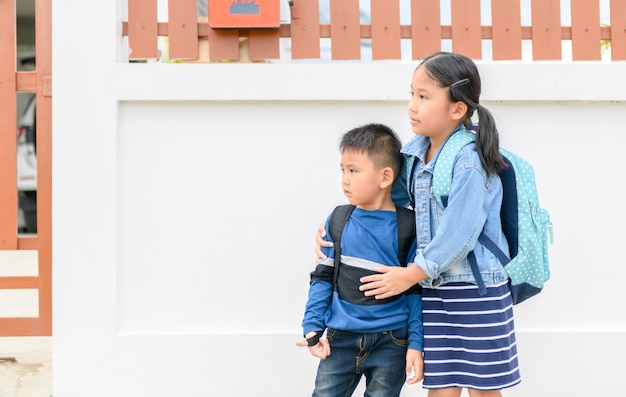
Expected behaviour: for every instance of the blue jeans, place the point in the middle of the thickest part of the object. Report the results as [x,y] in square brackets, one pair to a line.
[380,356]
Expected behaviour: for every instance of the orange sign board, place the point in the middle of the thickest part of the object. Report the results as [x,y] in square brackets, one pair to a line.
[244,13]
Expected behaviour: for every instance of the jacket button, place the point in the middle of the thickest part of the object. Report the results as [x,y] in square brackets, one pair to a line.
[436,282]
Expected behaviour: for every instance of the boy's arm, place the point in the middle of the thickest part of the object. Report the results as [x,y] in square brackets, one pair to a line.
[414,356]
[316,307]
[415,325]
[320,293]
[313,325]
[321,349]
[414,366]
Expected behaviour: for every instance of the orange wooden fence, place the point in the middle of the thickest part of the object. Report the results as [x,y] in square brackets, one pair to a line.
[466,33]
[39,82]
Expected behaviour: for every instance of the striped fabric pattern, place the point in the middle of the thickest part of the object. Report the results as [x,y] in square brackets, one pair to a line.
[469,341]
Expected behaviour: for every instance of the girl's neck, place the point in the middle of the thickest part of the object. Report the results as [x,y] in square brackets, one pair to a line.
[433,148]
[435,144]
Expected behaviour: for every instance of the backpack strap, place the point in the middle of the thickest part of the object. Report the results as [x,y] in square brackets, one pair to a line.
[508,218]
[471,257]
[337,223]
[442,175]
[442,183]
[406,237]
[406,233]
[480,283]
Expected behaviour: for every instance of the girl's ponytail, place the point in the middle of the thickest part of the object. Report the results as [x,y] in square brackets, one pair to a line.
[488,142]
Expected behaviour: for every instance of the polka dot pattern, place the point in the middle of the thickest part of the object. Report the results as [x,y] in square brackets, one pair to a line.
[529,270]
[442,176]
[531,265]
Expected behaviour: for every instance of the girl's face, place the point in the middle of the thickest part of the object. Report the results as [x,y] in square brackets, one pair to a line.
[360,179]
[431,112]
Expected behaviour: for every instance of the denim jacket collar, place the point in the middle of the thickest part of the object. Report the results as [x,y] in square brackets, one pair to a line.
[418,146]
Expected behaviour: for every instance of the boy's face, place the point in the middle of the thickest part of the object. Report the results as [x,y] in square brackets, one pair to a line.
[361,180]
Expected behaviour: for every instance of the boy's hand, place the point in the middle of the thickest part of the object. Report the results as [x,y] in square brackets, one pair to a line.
[321,350]
[320,242]
[414,366]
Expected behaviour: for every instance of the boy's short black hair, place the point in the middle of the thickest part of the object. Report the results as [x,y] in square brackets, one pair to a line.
[379,142]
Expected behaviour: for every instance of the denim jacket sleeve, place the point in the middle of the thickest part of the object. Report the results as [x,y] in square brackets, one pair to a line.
[456,230]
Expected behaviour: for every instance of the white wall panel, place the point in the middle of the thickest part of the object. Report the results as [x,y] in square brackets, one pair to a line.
[217,205]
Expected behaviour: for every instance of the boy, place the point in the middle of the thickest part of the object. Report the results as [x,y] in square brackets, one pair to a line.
[367,336]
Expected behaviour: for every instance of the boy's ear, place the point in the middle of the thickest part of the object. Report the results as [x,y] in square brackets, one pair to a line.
[386,179]
[458,110]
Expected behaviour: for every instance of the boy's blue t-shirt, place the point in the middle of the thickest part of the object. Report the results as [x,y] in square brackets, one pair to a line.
[370,239]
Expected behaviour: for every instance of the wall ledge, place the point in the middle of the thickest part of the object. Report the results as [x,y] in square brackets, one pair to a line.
[502,81]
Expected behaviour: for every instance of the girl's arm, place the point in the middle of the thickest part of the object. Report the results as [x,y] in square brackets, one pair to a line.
[393,280]
[471,196]
[460,226]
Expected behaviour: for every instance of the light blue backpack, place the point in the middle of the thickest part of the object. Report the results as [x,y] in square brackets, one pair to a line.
[526,225]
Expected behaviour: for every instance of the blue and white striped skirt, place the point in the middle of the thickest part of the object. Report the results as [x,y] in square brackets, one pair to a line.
[469,340]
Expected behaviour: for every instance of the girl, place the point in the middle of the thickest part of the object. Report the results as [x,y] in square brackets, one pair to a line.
[469,337]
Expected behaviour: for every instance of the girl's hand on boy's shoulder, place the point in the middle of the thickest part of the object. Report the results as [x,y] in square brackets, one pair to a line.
[320,242]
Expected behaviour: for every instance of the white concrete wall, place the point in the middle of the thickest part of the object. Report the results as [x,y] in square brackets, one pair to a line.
[186,197]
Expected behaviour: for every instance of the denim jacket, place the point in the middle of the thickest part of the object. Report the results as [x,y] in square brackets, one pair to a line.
[445,237]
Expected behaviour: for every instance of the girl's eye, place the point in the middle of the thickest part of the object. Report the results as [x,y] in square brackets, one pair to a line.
[411,93]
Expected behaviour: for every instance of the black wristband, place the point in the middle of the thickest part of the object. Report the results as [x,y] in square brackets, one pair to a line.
[314,340]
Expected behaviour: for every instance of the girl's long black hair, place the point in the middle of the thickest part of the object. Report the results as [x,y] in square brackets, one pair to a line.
[460,75]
